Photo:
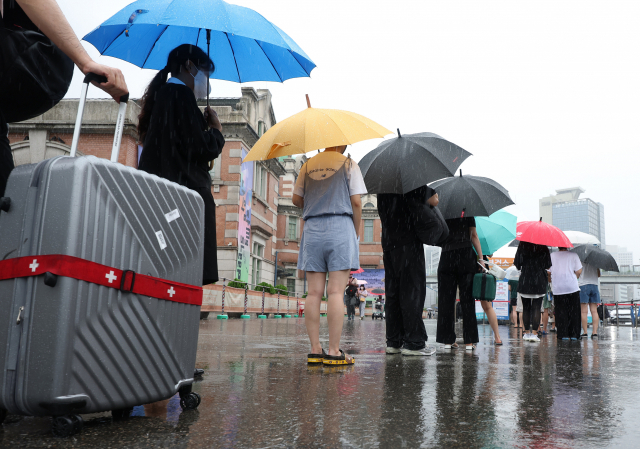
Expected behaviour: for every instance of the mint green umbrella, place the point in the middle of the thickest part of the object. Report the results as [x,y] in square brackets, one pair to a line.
[496,231]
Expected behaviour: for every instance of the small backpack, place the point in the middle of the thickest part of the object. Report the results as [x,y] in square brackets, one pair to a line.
[352,290]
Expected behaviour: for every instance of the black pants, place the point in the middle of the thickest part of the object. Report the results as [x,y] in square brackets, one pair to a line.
[455,271]
[351,310]
[6,158]
[531,312]
[406,287]
[568,315]
[210,267]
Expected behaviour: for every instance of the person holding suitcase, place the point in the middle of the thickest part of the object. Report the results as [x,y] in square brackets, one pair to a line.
[178,140]
[458,265]
[46,17]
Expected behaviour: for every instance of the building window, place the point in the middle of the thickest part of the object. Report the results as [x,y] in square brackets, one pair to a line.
[369,206]
[291,285]
[261,129]
[368,231]
[258,253]
[260,181]
[293,227]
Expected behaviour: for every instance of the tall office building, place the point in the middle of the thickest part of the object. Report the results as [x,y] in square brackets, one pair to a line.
[569,212]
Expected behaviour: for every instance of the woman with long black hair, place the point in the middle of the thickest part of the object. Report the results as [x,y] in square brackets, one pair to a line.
[178,140]
[533,261]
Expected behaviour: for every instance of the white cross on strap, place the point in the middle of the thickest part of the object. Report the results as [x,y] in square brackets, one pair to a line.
[111,276]
[34,265]
[171,292]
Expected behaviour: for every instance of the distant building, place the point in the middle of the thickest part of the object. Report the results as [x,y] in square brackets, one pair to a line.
[619,292]
[569,212]
[432,259]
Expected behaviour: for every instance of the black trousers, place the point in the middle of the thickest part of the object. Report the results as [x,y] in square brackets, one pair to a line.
[406,288]
[568,315]
[210,267]
[351,310]
[455,271]
[531,312]
[6,158]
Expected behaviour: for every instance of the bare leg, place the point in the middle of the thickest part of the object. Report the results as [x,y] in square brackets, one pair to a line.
[595,320]
[337,283]
[493,319]
[312,308]
[520,318]
[545,319]
[585,317]
[514,316]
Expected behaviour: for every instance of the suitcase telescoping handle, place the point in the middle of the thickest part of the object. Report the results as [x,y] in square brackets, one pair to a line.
[115,150]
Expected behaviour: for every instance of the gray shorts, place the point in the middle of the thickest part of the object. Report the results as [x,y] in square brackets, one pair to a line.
[329,243]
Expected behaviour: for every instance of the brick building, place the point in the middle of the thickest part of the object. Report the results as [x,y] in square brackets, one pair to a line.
[275,224]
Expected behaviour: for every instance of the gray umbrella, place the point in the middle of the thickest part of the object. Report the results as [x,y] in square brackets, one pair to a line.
[409,161]
[596,257]
[470,196]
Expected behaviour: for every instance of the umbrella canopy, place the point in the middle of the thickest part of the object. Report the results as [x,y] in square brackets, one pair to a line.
[358,271]
[496,230]
[377,292]
[409,161]
[596,257]
[541,233]
[581,238]
[470,196]
[244,45]
[361,282]
[314,129]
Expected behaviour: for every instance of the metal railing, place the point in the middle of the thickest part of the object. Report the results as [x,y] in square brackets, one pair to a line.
[245,314]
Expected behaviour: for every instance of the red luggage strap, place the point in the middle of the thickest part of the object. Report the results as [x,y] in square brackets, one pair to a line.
[84,270]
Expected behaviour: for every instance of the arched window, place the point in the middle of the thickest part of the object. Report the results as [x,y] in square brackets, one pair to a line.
[369,205]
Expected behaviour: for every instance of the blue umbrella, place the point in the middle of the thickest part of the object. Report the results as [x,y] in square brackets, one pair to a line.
[244,46]
[495,231]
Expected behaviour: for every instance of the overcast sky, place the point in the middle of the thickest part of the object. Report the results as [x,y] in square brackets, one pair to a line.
[544,94]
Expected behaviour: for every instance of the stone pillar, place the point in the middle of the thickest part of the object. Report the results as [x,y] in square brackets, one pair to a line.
[37,144]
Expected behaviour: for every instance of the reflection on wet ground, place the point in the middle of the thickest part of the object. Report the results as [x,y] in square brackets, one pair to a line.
[259,392]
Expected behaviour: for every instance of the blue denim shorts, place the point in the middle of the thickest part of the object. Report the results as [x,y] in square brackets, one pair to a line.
[329,243]
[589,293]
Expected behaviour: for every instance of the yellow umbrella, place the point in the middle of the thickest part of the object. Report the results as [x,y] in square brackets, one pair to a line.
[314,129]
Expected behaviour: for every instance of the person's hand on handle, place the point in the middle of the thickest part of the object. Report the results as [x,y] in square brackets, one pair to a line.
[212,118]
[115,85]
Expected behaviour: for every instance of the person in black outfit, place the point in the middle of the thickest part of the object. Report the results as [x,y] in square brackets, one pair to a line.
[46,17]
[179,141]
[533,261]
[409,221]
[458,264]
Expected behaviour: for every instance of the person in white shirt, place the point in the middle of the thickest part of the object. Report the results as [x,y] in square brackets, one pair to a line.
[589,298]
[565,271]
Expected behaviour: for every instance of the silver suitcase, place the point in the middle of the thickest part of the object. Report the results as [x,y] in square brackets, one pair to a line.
[69,346]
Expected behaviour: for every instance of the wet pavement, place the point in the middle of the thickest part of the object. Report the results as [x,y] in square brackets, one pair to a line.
[259,393]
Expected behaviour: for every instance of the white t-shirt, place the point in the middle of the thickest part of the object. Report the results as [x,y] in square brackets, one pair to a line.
[329,162]
[589,275]
[564,264]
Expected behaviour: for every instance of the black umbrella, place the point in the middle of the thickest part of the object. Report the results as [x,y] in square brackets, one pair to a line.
[470,196]
[409,161]
[596,257]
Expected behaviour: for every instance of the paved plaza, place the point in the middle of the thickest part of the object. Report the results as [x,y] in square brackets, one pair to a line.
[258,392]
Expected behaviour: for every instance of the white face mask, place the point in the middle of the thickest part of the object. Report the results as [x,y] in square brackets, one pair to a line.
[201,86]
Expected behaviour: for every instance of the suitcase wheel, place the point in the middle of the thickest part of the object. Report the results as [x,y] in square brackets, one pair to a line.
[190,401]
[65,426]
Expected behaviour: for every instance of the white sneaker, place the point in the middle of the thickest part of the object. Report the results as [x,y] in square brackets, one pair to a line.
[527,337]
[391,350]
[534,338]
[419,352]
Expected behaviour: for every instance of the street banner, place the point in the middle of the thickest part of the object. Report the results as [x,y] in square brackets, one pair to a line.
[504,262]
[502,291]
[244,220]
[479,311]
[374,278]
[502,309]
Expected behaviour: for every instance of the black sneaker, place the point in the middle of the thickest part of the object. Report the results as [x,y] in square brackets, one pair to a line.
[583,336]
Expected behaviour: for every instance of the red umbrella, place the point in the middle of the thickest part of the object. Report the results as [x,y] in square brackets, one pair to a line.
[541,233]
[358,271]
